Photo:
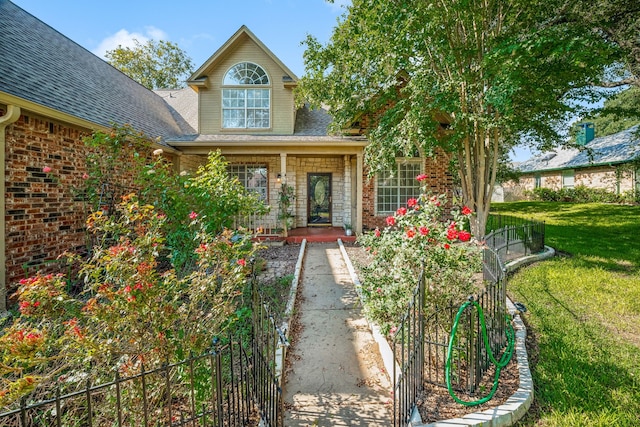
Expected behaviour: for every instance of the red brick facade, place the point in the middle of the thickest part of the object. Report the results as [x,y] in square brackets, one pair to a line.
[439,181]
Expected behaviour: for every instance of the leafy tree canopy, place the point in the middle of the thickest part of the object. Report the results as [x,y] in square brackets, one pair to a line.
[469,77]
[154,64]
[620,112]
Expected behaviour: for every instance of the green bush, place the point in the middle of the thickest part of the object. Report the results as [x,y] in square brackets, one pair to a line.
[578,194]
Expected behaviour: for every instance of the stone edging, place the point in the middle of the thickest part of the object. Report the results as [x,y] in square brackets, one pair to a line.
[503,415]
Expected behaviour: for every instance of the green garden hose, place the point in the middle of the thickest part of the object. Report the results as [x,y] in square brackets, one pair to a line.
[506,356]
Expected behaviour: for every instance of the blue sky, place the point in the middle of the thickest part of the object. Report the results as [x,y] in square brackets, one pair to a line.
[199,27]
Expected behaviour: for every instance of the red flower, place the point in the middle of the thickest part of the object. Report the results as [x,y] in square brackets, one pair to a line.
[446,246]
[377,232]
[242,262]
[193,215]
[464,236]
[36,304]
[466,211]
[421,177]
[412,202]
[401,211]
[411,233]
[423,230]
[391,221]
[452,234]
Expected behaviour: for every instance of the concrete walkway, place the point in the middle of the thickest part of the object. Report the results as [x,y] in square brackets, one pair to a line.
[336,376]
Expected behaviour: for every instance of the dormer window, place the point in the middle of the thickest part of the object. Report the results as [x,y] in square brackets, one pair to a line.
[246,97]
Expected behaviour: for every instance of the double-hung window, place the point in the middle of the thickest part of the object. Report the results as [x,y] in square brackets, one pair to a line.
[252,177]
[395,187]
[246,97]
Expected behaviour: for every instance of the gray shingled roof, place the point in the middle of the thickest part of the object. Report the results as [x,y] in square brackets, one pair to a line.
[40,65]
[311,122]
[183,104]
[620,147]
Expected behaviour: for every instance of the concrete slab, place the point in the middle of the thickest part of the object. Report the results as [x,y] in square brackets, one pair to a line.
[336,376]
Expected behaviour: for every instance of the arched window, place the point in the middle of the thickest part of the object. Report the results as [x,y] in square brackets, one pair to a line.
[246,97]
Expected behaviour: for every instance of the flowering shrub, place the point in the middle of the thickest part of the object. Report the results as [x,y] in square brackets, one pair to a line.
[209,195]
[417,238]
[133,311]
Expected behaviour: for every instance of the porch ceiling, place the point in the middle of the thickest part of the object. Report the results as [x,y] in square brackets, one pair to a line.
[274,146]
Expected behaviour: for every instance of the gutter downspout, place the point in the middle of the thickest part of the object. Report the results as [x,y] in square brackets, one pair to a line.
[11,116]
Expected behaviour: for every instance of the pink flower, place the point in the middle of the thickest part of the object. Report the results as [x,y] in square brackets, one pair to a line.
[464,236]
[46,169]
[401,211]
[193,215]
[423,230]
[421,177]
[377,232]
[411,233]
[412,202]
[391,221]
[242,262]
[466,211]
[85,176]
[379,290]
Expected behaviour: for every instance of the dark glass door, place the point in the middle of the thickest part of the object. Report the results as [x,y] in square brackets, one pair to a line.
[319,201]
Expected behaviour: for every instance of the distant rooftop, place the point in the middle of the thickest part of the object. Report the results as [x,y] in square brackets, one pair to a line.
[617,148]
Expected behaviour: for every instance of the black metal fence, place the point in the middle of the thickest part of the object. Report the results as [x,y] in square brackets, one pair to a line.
[513,237]
[420,343]
[232,384]
[408,349]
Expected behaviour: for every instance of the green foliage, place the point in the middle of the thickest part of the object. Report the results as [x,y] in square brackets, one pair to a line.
[113,160]
[133,311]
[582,314]
[620,112]
[155,64]
[210,195]
[417,238]
[579,194]
[469,77]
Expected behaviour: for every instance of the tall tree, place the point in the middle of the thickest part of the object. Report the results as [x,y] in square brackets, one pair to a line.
[470,77]
[619,112]
[154,64]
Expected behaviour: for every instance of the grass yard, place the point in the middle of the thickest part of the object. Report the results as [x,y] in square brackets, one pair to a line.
[583,314]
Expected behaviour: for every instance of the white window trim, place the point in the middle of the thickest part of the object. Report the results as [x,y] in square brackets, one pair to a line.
[399,161]
[253,166]
[246,87]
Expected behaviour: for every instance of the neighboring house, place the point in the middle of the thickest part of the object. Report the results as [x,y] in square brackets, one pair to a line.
[611,163]
[240,101]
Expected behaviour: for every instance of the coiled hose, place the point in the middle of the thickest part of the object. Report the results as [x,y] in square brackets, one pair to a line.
[506,356]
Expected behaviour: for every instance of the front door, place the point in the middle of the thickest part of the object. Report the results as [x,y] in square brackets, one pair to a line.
[319,202]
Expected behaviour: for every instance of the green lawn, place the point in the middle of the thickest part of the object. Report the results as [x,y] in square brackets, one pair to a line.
[583,314]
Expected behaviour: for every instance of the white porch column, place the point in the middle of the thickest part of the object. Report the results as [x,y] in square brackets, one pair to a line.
[283,167]
[359,184]
[346,212]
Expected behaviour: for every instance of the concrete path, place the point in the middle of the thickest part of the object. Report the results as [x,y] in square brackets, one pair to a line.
[336,376]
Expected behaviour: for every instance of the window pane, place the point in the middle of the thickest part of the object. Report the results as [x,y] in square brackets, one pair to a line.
[252,177]
[395,188]
[246,73]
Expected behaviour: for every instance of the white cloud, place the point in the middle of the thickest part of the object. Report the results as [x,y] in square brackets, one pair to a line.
[126,39]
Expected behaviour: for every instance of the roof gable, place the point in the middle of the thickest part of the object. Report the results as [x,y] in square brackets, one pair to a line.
[42,66]
[199,77]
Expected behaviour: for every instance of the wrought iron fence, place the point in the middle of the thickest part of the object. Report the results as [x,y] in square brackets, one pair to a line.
[232,384]
[420,344]
[215,388]
[408,350]
[513,237]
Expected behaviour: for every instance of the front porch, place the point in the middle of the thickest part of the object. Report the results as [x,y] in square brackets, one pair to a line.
[318,234]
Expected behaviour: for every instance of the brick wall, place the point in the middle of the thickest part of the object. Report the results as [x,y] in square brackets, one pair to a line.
[44,212]
[439,180]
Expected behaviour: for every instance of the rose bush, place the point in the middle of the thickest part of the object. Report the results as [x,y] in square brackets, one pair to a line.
[418,239]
